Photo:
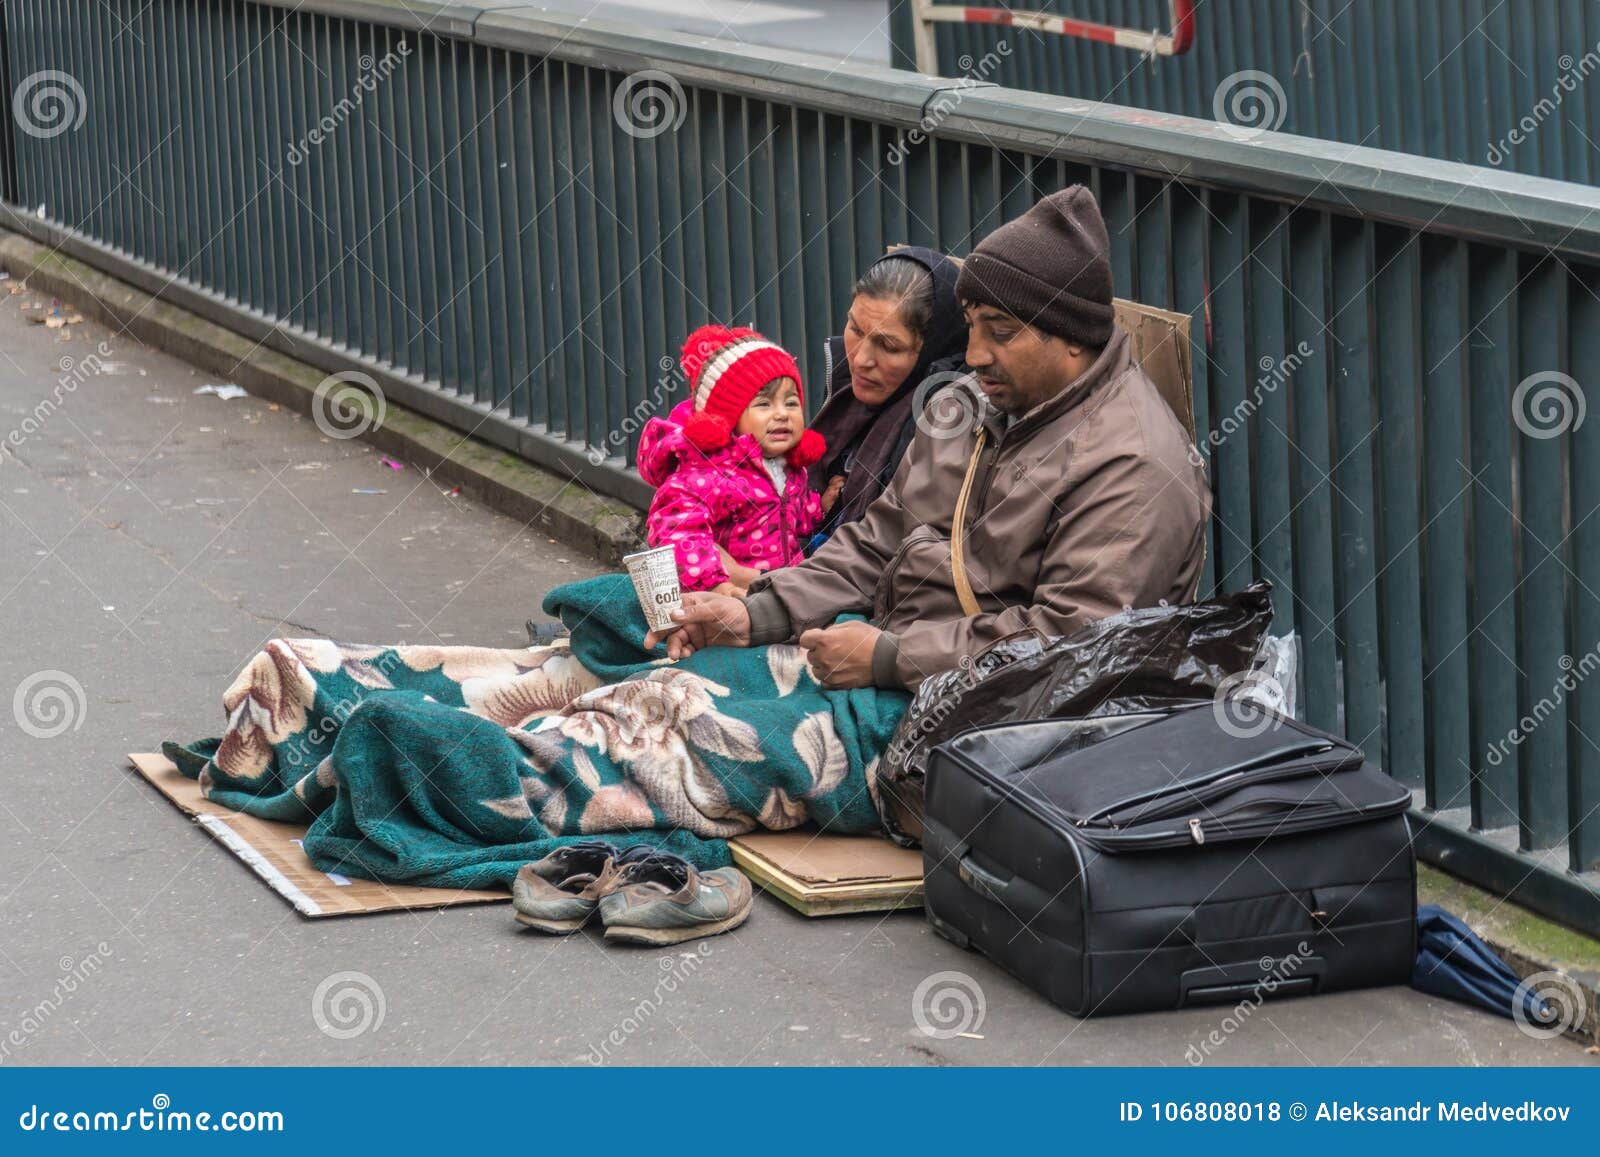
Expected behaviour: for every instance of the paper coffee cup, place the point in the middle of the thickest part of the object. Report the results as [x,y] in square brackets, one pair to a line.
[655,581]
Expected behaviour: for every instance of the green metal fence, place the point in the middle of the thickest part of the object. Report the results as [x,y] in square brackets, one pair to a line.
[1488,82]
[8,151]
[514,225]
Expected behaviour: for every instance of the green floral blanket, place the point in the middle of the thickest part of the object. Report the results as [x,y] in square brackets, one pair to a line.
[453,766]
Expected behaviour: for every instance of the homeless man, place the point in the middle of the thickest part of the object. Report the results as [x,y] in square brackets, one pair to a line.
[1077,484]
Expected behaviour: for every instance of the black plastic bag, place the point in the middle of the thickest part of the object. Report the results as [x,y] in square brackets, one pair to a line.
[1138,660]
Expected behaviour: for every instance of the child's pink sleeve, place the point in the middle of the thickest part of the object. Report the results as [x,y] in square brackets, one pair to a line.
[681,516]
[811,514]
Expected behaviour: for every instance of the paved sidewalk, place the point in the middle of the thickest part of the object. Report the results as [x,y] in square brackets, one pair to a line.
[846,29]
[153,540]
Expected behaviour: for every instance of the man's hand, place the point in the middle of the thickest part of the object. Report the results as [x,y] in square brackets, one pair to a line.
[840,656]
[707,620]
[831,494]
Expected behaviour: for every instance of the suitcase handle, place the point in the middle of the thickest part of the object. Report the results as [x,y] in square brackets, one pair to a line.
[1251,979]
[981,880]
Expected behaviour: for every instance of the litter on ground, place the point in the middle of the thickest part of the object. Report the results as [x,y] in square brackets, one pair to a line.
[227,392]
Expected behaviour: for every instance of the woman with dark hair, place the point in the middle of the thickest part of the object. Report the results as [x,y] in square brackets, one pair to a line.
[904,329]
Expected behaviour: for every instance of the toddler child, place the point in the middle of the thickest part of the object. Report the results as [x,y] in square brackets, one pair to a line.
[729,464]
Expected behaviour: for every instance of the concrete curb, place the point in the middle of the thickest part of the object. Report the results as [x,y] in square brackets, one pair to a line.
[561,508]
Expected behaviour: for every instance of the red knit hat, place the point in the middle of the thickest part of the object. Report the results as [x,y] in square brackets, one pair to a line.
[726,369]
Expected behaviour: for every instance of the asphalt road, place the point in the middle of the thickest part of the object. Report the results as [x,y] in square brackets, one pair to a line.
[153,540]
[854,29]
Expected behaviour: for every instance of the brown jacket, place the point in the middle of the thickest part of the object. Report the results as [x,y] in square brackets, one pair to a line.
[1089,503]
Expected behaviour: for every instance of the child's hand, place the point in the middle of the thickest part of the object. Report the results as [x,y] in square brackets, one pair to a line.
[738,574]
[831,494]
[729,588]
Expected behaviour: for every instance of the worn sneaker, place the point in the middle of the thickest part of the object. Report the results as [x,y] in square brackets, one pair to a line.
[660,898]
[546,634]
[560,892]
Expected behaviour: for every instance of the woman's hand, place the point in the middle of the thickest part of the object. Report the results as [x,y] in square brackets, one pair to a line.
[706,620]
[831,494]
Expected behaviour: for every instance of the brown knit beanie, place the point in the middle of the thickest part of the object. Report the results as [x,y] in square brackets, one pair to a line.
[1051,268]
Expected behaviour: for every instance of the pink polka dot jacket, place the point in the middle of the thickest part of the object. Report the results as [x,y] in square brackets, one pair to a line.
[722,498]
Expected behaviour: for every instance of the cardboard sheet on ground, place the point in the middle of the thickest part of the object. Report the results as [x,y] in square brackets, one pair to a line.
[818,875]
[823,875]
[272,851]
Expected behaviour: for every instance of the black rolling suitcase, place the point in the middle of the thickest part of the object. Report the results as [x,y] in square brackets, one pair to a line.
[1157,860]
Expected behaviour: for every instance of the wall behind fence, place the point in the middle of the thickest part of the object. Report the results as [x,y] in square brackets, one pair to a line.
[513,226]
[1486,82]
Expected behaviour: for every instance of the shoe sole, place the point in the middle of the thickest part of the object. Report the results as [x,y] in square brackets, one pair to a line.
[628,934]
[554,927]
